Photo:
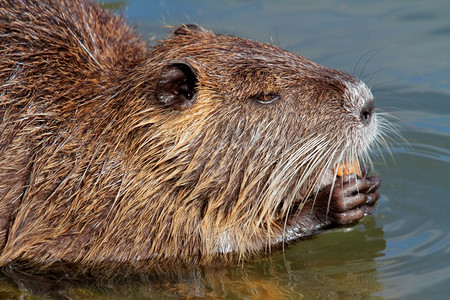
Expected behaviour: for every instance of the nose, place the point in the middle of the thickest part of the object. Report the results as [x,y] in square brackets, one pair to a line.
[367,112]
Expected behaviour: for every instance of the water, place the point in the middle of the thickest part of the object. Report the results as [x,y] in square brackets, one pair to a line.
[402,49]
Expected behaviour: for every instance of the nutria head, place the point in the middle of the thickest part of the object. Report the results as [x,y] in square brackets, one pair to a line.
[207,146]
[244,133]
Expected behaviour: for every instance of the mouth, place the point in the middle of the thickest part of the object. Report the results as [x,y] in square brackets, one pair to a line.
[345,168]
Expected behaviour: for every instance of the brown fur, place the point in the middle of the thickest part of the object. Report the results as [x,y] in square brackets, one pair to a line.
[93,168]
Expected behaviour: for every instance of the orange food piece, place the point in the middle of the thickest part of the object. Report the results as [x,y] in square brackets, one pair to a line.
[346,168]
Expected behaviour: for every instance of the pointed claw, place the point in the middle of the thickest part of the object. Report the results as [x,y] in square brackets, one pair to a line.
[365,170]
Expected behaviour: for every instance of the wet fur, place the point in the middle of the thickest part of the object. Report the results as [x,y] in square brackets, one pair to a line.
[94,169]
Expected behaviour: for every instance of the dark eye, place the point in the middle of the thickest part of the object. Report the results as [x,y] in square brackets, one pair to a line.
[264,98]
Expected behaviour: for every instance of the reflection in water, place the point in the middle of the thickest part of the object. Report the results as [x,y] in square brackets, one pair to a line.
[336,264]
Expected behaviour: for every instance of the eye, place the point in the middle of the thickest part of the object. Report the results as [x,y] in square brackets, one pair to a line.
[264,98]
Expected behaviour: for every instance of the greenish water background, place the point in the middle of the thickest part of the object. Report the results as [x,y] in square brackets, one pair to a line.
[402,50]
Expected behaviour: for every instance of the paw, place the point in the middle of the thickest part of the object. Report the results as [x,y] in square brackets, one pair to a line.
[352,198]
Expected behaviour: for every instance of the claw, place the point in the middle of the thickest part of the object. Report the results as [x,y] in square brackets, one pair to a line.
[376,181]
[365,170]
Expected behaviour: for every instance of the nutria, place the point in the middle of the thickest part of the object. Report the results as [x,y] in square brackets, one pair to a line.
[202,148]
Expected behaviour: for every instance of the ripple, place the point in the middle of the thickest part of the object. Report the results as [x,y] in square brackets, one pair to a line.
[430,151]
[414,216]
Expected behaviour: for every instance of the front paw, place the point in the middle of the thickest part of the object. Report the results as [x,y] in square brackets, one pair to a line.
[346,201]
[353,198]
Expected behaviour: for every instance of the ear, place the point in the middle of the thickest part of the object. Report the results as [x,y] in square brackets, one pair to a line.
[188,29]
[177,85]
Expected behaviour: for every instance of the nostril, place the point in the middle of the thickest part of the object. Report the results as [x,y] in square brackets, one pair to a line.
[366,113]
[365,116]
